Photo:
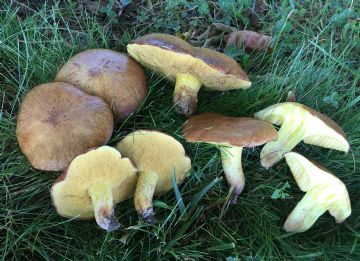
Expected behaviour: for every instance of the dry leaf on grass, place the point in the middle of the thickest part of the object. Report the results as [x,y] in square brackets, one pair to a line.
[258,12]
[291,97]
[96,6]
[213,35]
[249,39]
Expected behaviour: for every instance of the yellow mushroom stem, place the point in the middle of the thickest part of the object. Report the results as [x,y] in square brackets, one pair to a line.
[102,199]
[231,162]
[144,194]
[185,94]
[291,133]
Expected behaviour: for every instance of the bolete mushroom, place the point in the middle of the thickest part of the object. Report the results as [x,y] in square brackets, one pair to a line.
[158,157]
[189,66]
[231,134]
[299,122]
[324,192]
[92,184]
[113,76]
[57,122]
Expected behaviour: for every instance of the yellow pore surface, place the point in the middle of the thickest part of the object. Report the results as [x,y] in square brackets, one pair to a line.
[159,153]
[103,165]
[170,63]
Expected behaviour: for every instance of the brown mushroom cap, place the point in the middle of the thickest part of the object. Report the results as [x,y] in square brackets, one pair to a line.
[156,152]
[232,131]
[102,165]
[170,55]
[57,122]
[113,76]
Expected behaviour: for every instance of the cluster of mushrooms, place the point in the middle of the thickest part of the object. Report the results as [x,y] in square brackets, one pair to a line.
[64,126]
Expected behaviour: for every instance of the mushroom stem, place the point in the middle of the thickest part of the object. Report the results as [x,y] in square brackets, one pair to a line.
[185,93]
[231,162]
[291,133]
[144,193]
[102,199]
[308,210]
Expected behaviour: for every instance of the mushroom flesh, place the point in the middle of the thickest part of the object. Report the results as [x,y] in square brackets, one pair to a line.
[299,122]
[324,192]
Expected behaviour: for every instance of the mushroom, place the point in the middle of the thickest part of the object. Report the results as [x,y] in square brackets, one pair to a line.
[158,157]
[299,122]
[57,122]
[190,67]
[231,134]
[113,76]
[92,184]
[324,192]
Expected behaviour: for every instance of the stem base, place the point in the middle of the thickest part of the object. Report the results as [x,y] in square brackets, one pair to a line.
[102,199]
[231,161]
[185,94]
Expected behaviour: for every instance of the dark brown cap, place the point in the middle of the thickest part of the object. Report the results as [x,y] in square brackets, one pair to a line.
[221,62]
[113,76]
[234,131]
[57,122]
[165,41]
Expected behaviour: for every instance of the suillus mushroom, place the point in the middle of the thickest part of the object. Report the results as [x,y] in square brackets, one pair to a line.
[57,122]
[324,192]
[92,184]
[230,134]
[190,67]
[113,76]
[158,157]
[299,122]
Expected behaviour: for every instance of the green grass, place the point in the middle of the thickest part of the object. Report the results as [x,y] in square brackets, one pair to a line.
[317,54]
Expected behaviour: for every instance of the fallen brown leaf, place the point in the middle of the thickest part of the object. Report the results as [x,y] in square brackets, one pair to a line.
[291,97]
[249,39]
[213,35]
[258,12]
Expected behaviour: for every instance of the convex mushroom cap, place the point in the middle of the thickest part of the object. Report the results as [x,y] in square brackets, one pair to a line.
[299,122]
[324,192]
[113,76]
[189,66]
[231,134]
[93,183]
[57,122]
[158,157]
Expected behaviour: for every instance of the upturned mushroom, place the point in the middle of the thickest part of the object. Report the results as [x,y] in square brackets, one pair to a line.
[324,192]
[57,122]
[230,134]
[113,76]
[190,67]
[92,184]
[158,157]
[299,122]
